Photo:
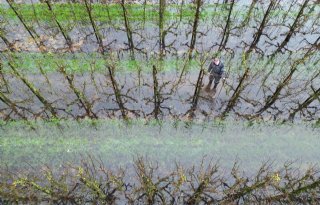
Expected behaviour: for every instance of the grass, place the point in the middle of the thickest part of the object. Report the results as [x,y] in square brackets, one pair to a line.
[93,62]
[118,143]
[86,62]
[83,62]
[77,11]
[102,12]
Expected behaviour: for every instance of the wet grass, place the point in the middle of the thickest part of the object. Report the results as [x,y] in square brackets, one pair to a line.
[55,142]
[103,12]
[84,62]
[35,63]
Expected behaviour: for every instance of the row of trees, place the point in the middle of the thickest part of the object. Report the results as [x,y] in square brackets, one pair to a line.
[92,182]
[266,68]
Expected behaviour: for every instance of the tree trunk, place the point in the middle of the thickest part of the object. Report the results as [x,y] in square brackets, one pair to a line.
[226,30]
[292,29]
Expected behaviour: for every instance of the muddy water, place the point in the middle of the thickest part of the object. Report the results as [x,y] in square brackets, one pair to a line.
[118,144]
[138,94]
[145,35]
[146,38]
[139,98]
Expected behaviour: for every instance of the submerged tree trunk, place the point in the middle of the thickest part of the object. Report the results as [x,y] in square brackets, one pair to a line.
[86,105]
[226,30]
[34,90]
[274,97]
[247,18]
[63,32]
[3,81]
[110,68]
[198,4]
[6,41]
[240,87]
[197,89]
[30,30]
[162,45]
[292,29]
[128,30]
[195,28]
[156,93]
[196,93]
[259,33]
[305,104]
[94,27]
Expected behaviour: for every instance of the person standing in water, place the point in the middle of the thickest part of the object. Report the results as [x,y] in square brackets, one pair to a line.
[216,72]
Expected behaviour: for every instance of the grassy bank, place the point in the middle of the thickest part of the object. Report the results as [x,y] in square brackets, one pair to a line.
[103,12]
[53,143]
[86,62]
[35,63]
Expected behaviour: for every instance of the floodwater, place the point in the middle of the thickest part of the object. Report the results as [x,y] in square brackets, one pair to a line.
[146,38]
[119,144]
[190,131]
[175,93]
[178,34]
[176,101]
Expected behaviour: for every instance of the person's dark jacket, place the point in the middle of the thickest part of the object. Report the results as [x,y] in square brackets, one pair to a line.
[216,69]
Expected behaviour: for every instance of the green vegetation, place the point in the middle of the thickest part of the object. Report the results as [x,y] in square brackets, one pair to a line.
[67,12]
[84,62]
[34,63]
[74,131]
[69,131]
[92,182]
[55,142]
[103,12]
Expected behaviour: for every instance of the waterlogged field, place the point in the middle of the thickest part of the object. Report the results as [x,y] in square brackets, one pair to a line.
[183,162]
[81,63]
[118,143]
[149,60]
[77,11]
[87,87]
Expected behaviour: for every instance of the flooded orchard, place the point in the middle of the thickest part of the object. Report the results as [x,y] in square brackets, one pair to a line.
[104,102]
[175,99]
[118,144]
[271,60]
[255,152]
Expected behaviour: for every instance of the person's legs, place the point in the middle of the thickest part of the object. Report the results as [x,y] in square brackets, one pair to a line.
[210,82]
[216,81]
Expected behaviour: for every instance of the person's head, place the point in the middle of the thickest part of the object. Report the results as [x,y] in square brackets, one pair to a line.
[216,61]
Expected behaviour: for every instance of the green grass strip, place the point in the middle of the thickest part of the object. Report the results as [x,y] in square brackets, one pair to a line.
[118,142]
[103,12]
[31,63]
